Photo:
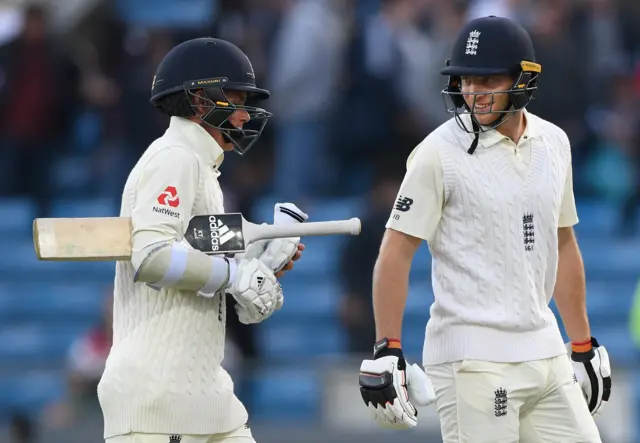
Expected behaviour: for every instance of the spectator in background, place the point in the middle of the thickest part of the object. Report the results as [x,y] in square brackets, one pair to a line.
[561,50]
[38,93]
[357,261]
[381,105]
[22,429]
[616,123]
[304,78]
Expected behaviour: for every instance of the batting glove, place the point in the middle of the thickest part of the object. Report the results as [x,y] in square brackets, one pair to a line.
[390,387]
[255,289]
[592,371]
[278,252]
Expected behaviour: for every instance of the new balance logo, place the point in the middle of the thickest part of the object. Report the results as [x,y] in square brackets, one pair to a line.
[528,231]
[220,233]
[169,197]
[500,409]
[403,204]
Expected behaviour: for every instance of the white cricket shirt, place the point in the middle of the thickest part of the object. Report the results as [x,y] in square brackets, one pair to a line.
[163,374]
[491,222]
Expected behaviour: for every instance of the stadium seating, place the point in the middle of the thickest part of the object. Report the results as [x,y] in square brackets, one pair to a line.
[45,306]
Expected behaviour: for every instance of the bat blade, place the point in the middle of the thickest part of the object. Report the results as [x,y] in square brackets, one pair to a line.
[82,239]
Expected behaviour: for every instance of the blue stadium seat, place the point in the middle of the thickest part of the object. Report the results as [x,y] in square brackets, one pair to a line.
[287,394]
[32,342]
[610,257]
[280,338]
[305,298]
[103,207]
[43,300]
[596,218]
[29,392]
[609,301]
[322,255]
[21,264]
[16,216]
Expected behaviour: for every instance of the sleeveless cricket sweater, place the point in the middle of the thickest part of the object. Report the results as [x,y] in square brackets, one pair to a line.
[164,374]
[495,251]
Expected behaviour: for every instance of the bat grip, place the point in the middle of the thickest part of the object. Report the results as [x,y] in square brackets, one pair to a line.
[351,227]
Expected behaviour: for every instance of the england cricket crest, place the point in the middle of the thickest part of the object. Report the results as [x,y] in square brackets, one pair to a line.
[216,234]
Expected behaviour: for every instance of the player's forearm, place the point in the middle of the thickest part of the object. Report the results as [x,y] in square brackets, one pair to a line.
[390,287]
[570,290]
[172,265]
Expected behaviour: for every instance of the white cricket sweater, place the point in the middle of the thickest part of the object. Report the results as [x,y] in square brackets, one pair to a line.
[494,244]
[163,374]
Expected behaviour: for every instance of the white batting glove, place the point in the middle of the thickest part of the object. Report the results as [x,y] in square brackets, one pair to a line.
[592,371]
[278,252]
[390,388]
[255,289]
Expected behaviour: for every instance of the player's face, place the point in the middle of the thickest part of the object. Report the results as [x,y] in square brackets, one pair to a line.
[239,117]
[480,94]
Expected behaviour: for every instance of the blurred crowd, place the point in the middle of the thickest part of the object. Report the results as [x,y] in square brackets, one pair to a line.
[355,86]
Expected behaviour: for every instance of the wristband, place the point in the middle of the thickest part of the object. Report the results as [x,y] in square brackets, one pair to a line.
[581,347]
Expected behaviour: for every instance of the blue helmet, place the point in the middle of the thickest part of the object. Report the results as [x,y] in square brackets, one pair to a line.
[214,66]
[491,46]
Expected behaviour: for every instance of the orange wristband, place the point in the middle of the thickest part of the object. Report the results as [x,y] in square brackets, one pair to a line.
[394,343]
[584,346]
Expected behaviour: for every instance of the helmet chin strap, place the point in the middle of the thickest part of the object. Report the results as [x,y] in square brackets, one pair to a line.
[476,127]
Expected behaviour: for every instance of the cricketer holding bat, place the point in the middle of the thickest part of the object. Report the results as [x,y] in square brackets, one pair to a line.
[491,192]
[163,381]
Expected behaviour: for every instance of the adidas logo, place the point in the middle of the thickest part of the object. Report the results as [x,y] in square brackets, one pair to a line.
[220,233]
[260,282]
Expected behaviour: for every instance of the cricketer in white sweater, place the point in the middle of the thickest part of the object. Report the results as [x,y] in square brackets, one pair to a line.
[492,223]
[163,375]
[491,193]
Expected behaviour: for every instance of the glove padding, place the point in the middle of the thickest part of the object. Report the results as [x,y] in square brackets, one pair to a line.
[256,291]
[276,253]
[390,388]
[592,371]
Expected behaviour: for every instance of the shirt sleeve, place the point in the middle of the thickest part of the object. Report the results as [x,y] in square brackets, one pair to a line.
[568,212]
[165,194]
[418,207]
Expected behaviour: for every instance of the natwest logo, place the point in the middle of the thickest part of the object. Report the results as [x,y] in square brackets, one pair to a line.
[169,197]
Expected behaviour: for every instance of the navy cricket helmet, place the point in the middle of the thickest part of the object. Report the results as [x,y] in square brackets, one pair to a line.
[213,66]
[491,46]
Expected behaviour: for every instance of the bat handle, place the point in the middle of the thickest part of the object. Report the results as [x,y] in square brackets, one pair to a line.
[261,232]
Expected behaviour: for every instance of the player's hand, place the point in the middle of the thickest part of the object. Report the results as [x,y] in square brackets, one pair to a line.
[279,254]
[390,388]
[592,371]
[256,291]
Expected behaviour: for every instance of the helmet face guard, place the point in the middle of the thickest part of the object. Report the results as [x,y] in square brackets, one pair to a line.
[220,109]
[520,94]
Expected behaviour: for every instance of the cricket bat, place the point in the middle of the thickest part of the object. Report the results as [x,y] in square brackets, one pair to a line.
[109,238]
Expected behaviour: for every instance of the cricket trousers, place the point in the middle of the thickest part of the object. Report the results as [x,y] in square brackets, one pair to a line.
[241,435]
[530,402]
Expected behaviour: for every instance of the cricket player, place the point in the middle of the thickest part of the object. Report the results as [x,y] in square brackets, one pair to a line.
[491,192]
[163,381]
